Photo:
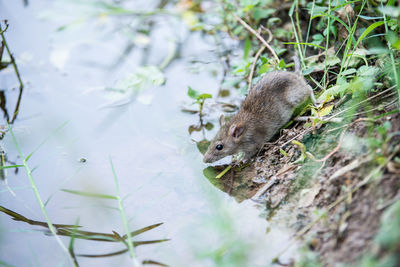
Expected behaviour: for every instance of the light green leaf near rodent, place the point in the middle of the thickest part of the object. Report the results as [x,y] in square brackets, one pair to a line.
[192,93]
[247,48]
[264,68]
[333,91]
[204,96]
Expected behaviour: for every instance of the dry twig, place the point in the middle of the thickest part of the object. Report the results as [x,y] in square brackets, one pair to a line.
[250,29]
[253,67]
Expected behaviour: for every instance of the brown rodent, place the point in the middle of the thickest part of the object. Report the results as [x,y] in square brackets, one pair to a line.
[267,107]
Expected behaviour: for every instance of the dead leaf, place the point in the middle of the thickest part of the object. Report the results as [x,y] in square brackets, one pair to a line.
[351,166]
[307,196]
[393,167]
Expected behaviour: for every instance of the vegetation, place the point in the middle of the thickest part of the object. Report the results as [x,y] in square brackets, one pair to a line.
[349,51]
[336,166]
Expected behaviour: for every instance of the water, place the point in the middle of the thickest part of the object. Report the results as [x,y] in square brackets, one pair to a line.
[158,167]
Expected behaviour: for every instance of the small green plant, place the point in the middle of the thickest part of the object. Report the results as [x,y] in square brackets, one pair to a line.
[198,98]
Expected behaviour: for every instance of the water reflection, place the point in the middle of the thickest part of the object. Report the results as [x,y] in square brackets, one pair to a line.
[4,48]
[159,168]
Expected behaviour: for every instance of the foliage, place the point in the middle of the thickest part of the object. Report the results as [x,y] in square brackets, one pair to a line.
[198,98]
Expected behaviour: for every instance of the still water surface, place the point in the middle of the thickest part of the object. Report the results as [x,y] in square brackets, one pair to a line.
[158,166]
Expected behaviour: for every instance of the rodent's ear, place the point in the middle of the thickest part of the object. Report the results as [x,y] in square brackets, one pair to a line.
[221,120]
[236,130]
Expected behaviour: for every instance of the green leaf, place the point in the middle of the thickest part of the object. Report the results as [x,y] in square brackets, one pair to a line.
[390,11]
[202,146]
[348,72]
[142,230]
[10,166]
[282,64]
[324,111]
[204,96]
[261,13]
[89,194]
[367,71]
[264,68]
[333,91]
[370,18]
[210,172]
[292,7]
[368,30]
[209,126]
[272,21]
[192,93]
[247,48]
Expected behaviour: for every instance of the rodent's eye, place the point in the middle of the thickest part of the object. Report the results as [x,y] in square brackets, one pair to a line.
[219,147]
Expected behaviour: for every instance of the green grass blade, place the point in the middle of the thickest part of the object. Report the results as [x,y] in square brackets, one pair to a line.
[142,230]
[18,217]
[119,252]
[72,242]
[10,166]
[367,31]
[340,21]
[154,263]
[46,139]
[89,194]
[140,243]
[131,248]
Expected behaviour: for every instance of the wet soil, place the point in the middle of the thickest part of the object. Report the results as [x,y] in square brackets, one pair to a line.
[338,174]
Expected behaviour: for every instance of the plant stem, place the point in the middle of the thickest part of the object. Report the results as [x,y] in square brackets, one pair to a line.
[37,195]
[250,29]
[21,84]
[327,45]
[396,77]
[309,26]
[131,249]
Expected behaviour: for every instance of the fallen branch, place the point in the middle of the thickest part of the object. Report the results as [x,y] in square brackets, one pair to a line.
[250,29]
[253,67]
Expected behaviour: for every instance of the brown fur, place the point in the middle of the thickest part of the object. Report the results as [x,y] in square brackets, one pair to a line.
[267,108]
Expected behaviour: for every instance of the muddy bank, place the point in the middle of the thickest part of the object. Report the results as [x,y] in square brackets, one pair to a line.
[328,183]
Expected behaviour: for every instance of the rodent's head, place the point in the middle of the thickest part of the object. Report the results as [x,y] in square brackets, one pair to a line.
[226,142]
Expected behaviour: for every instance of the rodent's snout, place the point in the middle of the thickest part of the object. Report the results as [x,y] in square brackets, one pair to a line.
[207,158]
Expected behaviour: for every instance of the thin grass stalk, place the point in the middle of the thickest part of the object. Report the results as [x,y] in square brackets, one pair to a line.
[396,77]
[131,249]
[298,46]
[327,45]
[309,26]
[298,22]
[38,197]
[346,57]
[72,242]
